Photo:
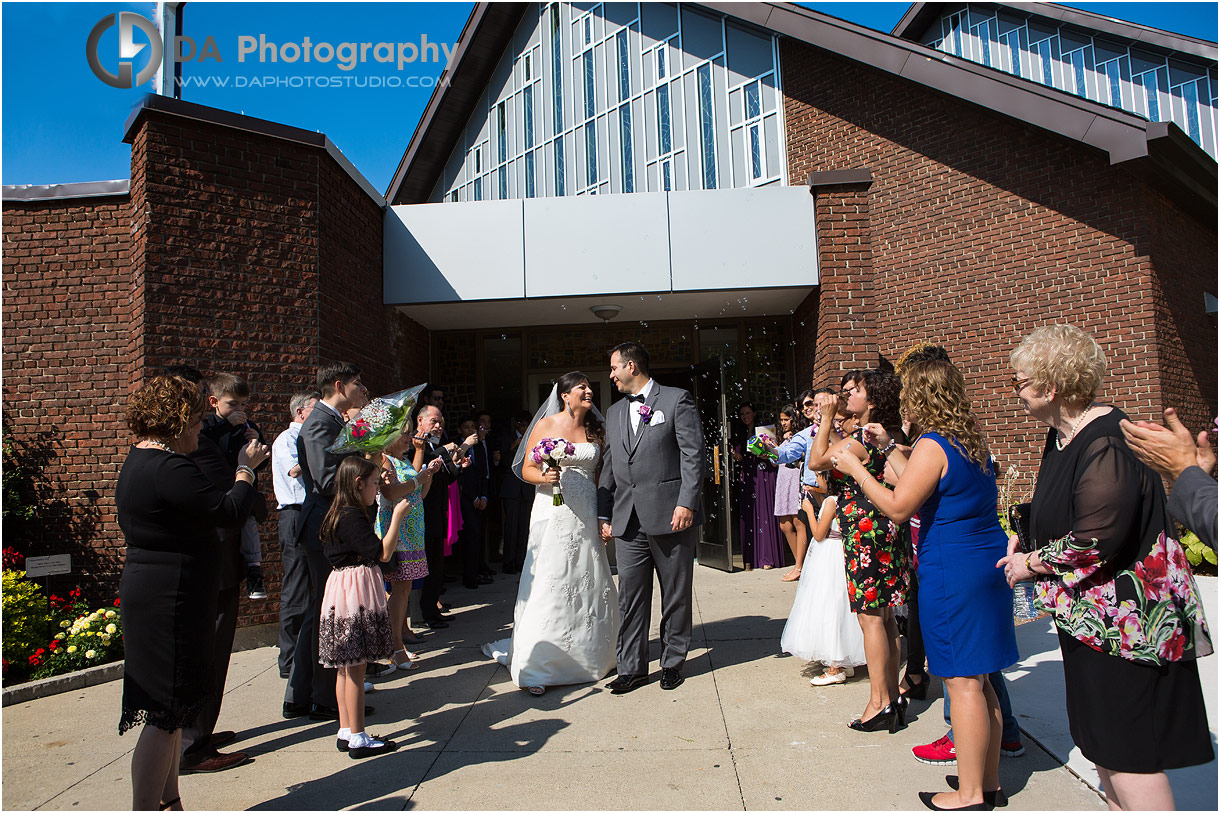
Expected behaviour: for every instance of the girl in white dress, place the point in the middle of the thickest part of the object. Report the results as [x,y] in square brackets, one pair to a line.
[821,626]
[566,620]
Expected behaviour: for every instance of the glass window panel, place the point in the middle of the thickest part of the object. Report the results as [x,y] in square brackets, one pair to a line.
[768,93]
[1190,98]
[753,107]
[771,141]
[707,126]
[735,107]
[1152,95]
[675,104]
[652,171]
[560,167]
[662,72]
[501,132]
[528,67]
[756,159]
[749,54]
[591,153]
[738,148]
[650,127]
[528,116]
[530,188]
[503,183]
[580,169]
[680,179]
[664,124]
[603,154]
[667,176]
[627,158]
[1115,96]
[602,66]
[701,36]
[650,69]
[590,79]
[658,21]
[556,75]
[1044,74]
[478,188]
[624,66]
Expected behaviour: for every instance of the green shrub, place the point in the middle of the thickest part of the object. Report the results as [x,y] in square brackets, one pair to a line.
[1196,551]
[25,624]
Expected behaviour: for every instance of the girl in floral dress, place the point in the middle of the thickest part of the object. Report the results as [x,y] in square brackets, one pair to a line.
[874,548]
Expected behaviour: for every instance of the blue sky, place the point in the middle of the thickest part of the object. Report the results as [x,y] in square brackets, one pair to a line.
[61,124]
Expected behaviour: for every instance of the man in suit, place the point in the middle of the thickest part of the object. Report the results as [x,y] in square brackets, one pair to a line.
[649,498]
[517,497]
[474,485]
[430,426]
[311,687]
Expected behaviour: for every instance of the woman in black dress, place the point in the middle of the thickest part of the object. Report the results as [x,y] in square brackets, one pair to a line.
[168,511]
[1115,578]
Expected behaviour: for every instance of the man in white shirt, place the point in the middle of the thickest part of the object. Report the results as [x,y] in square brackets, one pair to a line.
[289,494]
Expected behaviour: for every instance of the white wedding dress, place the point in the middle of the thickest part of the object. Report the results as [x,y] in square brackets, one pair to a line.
[566,621]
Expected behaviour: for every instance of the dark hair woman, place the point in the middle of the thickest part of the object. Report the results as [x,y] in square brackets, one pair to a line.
[169,511]
[788,491]
[875,548]
[754,497]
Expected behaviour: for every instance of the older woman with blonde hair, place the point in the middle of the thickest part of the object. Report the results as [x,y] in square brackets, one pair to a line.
[168,511]
[1113,575]
[966,605]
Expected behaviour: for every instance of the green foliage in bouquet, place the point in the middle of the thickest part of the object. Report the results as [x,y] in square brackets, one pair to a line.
[378,425]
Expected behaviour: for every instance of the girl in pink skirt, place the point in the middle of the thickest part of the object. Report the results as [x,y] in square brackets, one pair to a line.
[355,624]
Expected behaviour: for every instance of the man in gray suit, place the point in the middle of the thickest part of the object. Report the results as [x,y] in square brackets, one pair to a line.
[1171,451]
[649,499]
[311,688]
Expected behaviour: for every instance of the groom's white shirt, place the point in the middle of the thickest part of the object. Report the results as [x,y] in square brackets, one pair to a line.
[635,405]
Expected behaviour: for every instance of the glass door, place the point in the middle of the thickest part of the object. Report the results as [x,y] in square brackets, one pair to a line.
[715,545]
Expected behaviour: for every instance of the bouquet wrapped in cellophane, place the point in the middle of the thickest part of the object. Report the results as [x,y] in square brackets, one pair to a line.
[378,425]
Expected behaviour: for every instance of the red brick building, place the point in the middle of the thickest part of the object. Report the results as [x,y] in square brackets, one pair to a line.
[947,200]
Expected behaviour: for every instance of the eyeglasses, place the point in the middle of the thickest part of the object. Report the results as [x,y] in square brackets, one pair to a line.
[1019,384]
[848,391]
[808,404]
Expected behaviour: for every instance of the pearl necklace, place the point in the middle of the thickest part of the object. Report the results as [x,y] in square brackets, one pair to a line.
[1060,443]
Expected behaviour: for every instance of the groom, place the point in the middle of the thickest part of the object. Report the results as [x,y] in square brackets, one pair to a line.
[652,475]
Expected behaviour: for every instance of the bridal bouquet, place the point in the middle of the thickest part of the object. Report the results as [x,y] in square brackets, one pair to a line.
[378,425]
[552,452]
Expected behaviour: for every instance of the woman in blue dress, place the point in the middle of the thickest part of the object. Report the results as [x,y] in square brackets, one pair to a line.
[964,601]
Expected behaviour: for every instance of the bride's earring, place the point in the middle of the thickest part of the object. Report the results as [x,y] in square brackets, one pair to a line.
[571,411]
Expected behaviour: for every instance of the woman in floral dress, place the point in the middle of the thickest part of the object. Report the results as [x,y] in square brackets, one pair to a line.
[1114,576]
[875,549]
[409,560]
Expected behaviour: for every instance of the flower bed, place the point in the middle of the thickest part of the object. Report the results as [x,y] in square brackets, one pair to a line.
[43,639]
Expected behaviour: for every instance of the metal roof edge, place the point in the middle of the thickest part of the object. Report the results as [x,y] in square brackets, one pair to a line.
[27,193]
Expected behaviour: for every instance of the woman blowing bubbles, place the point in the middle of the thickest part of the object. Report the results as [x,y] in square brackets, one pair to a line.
[965,603]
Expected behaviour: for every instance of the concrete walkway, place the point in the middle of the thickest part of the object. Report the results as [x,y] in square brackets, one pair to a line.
[745,732]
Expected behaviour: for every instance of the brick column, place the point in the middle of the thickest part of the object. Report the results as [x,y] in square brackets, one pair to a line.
[846,336]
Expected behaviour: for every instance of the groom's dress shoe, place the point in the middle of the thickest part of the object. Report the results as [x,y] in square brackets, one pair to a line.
[671,679]
[626,683]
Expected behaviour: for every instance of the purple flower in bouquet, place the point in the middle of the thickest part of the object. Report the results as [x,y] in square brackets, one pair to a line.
[552,452]
[645,414]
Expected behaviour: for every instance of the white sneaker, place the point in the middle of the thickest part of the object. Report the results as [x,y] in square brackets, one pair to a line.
[827,679]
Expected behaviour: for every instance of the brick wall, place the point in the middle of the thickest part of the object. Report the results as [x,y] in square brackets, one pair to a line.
[68,314]
[980,229]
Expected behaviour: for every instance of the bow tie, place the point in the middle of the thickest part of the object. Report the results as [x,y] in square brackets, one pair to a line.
[639,399]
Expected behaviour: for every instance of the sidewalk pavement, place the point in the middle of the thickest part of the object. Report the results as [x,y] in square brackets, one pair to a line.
[745,732]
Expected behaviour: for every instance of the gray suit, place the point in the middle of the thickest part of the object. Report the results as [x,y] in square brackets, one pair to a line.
[1193,503]
[308,680]
[645,475]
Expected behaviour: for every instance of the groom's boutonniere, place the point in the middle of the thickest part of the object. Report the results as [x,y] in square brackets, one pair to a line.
[645,414]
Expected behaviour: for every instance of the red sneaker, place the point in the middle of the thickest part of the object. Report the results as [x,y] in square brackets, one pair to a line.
[940,752]
[1007,749]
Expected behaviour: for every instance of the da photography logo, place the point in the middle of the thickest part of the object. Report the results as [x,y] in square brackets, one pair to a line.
[128,22]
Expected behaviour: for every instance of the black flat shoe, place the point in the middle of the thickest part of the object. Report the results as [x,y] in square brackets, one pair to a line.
[995,798]
[626,683]
[925,796]
[918,691]
[671,679]
[294,710]
[436,624]
[886,719]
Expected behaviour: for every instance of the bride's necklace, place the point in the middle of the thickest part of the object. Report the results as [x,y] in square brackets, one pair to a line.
[1060,442]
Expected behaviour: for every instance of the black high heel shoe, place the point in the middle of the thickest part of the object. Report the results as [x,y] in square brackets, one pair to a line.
[885,719]
[925,796]
[900,705]
[918,691]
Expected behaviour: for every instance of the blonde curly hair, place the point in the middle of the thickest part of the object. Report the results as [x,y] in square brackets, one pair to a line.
[1063,357]
[162,409]
[934,396]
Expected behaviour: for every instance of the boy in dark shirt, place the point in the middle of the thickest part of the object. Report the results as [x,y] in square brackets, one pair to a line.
[230,429]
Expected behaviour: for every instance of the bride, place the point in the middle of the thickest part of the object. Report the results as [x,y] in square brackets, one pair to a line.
[566,620]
